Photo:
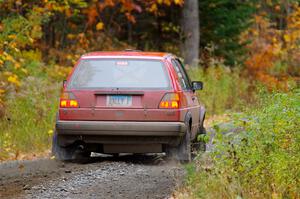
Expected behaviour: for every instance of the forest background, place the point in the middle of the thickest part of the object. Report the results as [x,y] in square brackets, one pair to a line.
[243,51]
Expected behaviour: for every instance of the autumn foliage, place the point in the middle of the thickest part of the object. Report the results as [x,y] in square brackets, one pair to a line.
[273,53]
[56,33]
[243,43]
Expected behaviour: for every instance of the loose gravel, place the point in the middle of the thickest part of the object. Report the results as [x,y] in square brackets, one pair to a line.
[128,176]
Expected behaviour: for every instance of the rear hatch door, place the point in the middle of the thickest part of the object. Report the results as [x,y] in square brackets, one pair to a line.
[120,89]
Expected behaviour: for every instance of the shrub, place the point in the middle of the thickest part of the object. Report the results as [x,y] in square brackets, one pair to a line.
[29,118]
[224,88]
[257,159]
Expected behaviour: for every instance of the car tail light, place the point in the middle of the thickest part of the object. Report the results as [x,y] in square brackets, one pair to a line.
[170,100]
[67,100]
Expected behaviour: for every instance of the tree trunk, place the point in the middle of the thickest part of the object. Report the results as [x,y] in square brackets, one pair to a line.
[191,32]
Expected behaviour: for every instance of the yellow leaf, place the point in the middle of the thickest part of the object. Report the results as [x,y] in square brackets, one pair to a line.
[50,132]
[2,91]
[24,70]
[178,2]
[12,36]
[287,38]
[16,49]
[167,2]
[17,65]
[100,26]
[31,40]
[9,58]
[13,79]
[69,56]
[153,8]
[71,36]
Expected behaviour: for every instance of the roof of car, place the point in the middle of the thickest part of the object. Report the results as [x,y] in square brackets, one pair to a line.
[126,54]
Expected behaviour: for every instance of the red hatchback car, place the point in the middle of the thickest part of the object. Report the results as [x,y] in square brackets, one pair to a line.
[128,102]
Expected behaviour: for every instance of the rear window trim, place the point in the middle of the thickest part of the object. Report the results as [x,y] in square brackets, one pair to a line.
[164,66]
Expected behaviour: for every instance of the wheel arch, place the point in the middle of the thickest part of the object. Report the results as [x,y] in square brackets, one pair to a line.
[202,115]
[188,119]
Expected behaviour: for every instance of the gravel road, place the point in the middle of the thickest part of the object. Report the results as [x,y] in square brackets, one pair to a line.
[128,176]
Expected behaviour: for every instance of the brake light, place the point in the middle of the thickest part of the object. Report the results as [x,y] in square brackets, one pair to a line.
[67,100]
[170,100]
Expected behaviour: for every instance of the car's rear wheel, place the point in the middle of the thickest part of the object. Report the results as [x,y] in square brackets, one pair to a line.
[73,152]
[61,153]
[182,152]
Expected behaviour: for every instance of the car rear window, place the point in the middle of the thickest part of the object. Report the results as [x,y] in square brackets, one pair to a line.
[120,73]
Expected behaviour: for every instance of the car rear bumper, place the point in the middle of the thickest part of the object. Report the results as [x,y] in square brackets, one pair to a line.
[108,132]
[120,128]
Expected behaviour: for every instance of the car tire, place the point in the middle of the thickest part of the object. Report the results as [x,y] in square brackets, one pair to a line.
[81,156]
[61,153]
[182,152]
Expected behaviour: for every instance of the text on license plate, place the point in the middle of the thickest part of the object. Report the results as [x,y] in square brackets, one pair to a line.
[119,100]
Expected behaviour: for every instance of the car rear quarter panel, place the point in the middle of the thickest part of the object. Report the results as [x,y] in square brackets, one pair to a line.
[190,107]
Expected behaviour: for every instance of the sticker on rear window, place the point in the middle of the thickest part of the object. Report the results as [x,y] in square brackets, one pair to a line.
[122,63]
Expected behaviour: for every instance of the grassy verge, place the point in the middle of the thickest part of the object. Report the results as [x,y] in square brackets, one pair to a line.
[224,89]
[28,122]
[259,160]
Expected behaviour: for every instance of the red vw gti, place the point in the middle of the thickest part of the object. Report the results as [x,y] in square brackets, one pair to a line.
[128,102]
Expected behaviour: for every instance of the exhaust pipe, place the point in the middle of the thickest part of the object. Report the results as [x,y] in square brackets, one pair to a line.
[80,147]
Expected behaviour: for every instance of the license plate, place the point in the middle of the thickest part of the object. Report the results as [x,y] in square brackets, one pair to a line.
[119,100]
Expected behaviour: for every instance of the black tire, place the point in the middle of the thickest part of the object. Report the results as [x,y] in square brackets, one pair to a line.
[61,153]
[182,152]
[81,156]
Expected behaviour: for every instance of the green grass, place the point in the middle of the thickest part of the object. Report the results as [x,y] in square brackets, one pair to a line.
[29,118]
[224,89]
[260,161]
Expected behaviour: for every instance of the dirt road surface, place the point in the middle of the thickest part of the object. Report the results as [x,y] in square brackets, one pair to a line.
[128,176]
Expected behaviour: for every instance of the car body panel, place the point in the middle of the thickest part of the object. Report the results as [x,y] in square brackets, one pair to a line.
[119,114]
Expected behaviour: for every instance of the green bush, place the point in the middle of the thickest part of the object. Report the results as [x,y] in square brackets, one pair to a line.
[258,157]
[224,88]
[29,118]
